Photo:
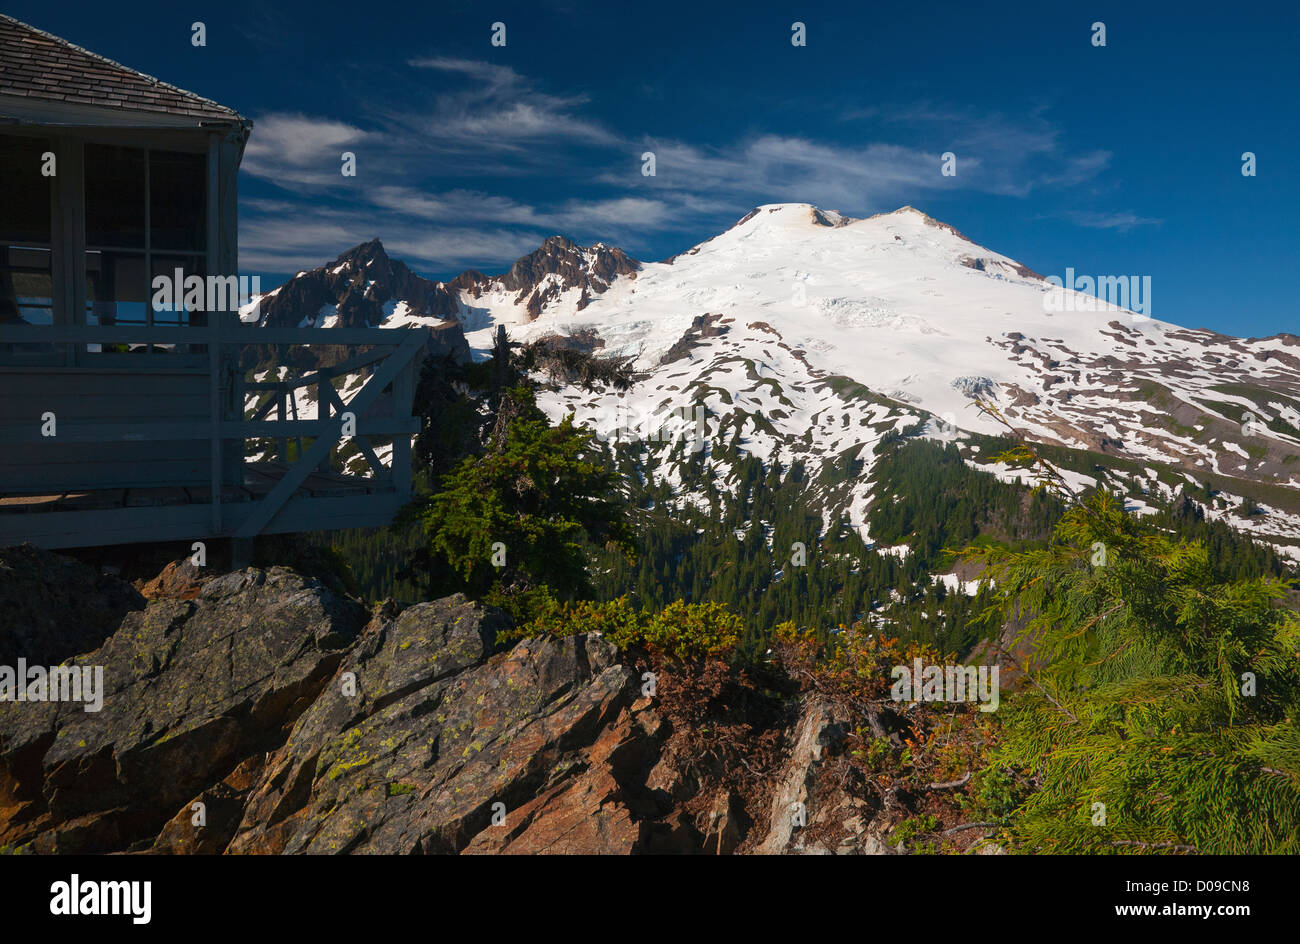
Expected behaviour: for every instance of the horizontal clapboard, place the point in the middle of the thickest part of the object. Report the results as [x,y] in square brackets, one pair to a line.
[85,397]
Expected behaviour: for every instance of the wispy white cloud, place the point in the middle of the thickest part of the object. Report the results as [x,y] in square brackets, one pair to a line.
[298,151]
[458,205]
[1121,221]
[451,206]
[495,78]
[617,214]
[774,168]
[1010,156]
[500,109]
[496,130]
[273,240]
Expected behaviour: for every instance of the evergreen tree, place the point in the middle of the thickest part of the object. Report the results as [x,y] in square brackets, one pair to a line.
[515,518]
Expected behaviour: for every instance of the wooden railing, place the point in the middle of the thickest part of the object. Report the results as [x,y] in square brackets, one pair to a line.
[391,356]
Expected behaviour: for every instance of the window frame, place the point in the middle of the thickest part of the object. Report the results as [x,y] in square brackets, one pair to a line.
[68,246]
[148,252]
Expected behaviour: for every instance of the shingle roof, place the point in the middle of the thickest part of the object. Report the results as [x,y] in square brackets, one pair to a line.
[39,66]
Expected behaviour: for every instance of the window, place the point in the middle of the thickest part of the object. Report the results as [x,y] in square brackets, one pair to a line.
[117,197]
[145,217]
[28,277]
[116,289]
[26,280]
[178,186]
[143,213]
[26,256]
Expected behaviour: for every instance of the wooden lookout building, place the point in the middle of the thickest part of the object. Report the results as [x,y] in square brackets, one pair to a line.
[123,419]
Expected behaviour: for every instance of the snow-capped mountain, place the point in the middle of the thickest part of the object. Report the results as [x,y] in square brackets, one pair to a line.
[808,335]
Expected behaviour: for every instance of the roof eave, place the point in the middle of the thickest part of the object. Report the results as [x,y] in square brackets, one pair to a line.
[27,110]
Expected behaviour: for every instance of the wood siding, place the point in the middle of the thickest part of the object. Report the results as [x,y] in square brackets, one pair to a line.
[86,396]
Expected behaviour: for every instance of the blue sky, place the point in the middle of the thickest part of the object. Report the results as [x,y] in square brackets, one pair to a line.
[1122,160]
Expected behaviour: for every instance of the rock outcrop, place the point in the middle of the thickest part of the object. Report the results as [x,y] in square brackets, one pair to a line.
[53,607]
[266,712]
[191,689]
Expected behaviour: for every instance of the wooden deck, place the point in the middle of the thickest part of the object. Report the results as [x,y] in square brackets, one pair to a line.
[259,479]
[323,500]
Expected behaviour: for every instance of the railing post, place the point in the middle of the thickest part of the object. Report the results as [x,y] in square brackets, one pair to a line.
[323,413]
[233,457]
[214,401]
[281,443]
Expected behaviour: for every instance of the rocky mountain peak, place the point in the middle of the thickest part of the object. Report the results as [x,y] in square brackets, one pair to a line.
[365,287]
[368,253]
[570,265]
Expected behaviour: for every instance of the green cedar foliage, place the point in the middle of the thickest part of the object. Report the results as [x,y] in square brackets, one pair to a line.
[1142,697]
[1163,710]
[517,516]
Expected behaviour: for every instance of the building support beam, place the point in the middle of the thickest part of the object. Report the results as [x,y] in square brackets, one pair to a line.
[215,319]
[241,553]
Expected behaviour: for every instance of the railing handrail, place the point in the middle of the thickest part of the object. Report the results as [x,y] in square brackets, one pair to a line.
[230,335]
[143,430]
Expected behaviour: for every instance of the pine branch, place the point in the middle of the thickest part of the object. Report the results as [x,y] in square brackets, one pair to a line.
[951,784]
[963,826]
[1279,773]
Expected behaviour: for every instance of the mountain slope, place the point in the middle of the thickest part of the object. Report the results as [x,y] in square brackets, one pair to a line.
[807,309]
[808,336]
